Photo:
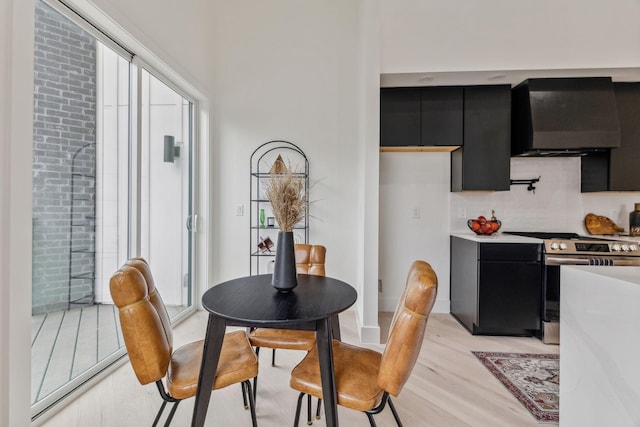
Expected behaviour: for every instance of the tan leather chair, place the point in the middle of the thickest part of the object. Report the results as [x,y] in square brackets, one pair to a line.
[366,378]
[310,259]
[146,329]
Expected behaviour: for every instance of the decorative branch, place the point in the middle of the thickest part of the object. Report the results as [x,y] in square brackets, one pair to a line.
[286,193]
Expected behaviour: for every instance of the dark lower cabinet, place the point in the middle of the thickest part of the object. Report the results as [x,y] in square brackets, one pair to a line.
[496,288]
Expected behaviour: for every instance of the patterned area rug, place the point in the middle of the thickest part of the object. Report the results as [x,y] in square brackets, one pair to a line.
[534,379]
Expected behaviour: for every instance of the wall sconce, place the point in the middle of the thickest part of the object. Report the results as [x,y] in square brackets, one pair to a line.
[171,150]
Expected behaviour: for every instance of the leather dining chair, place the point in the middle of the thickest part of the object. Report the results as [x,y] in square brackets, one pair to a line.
[365,379]
[310,259]
[146,329]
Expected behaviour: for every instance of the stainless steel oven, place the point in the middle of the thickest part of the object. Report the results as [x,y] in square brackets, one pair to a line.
[573,249]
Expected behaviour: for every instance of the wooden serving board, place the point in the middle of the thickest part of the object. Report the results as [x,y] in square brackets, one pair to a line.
[598,224]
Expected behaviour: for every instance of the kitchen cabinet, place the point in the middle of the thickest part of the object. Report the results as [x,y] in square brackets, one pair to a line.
[475,118]
[421,116]
[483,162]
[496,288]
[616,169]
[400,116]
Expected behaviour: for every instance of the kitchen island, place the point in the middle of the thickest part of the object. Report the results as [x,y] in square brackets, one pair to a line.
[600,350]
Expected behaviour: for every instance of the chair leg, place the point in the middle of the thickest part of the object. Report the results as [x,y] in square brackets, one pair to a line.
[159,414]
[166,398]
[296,420]
[395,413]
[318,409]
[171,414]
[255,379]
[244,395]
[252,403]
[273,357]
[309,420]
[372,422]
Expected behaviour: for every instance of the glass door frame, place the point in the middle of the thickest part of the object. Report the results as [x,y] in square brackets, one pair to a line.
[136,64]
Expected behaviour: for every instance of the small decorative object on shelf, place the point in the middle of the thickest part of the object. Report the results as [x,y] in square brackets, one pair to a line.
[265,245]
[261,218]
[634,221]
[270,221]
[287,194]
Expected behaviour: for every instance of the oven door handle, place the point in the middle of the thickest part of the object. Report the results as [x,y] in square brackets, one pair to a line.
[567,260]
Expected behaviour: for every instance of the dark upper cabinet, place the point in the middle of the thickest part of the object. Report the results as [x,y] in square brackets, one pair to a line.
[416,116]
[617,169]
[483,162]
[442,116]
[400,119]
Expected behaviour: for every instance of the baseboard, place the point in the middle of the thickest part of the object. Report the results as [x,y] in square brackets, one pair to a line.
[368,334]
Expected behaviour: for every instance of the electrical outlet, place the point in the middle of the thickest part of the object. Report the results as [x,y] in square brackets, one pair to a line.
[379,285]
[462,213]
[415,212]
[239,210]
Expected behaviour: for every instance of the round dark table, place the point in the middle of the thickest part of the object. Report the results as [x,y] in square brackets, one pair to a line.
[251,301]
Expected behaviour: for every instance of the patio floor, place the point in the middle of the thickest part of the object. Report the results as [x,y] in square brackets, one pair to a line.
[66,343]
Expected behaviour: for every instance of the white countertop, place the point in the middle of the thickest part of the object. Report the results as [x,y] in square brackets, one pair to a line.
[508,238]
[495,238]
[599,346]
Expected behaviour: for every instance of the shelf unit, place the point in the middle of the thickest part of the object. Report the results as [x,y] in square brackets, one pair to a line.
[82,233]
[262,159]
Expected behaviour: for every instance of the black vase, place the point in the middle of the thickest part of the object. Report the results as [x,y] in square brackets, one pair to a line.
[284,276]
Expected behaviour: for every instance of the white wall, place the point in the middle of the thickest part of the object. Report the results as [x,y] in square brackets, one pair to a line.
[284,70]
[458,35]
[409,182]
[556,205]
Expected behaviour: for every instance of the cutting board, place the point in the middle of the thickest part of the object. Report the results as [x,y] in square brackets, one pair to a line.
[601,225]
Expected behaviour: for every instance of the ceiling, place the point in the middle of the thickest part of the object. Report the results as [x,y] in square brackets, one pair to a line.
[494,77]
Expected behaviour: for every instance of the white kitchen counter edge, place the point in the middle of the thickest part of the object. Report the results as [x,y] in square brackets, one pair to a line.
[599,350]
[496,238]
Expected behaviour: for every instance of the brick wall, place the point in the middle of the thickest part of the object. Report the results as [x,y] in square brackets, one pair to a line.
[63,162]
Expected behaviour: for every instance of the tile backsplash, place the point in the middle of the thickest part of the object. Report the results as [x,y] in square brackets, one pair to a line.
[555,205]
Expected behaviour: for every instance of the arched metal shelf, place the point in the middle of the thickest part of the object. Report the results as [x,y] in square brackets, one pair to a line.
[262,159]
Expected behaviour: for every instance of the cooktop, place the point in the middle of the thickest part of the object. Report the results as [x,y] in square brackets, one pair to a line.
[551,235]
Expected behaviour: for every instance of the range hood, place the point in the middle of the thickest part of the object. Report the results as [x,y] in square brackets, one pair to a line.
[563,117]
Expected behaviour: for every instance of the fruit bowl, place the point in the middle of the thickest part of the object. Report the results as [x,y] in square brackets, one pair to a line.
[484,227]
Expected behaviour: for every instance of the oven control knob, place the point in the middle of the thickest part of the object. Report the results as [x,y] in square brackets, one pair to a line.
[553,246]
[615,247]
[625,248]
[563,246]
[633,247]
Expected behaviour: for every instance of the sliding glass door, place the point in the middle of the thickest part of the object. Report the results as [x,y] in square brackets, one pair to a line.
[112,179]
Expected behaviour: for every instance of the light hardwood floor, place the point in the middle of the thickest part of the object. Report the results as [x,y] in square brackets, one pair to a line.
[449,387]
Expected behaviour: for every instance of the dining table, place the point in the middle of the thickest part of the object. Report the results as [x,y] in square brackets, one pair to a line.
[251,301]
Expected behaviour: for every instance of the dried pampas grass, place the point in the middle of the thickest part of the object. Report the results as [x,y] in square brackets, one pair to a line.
[286,193]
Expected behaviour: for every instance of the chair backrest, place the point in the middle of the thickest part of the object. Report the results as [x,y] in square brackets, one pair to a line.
[144,320]
[408,327]
[310,259]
